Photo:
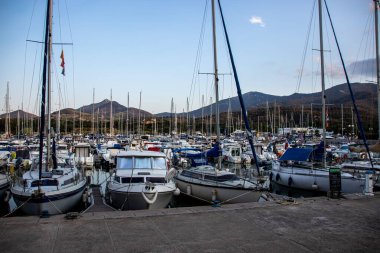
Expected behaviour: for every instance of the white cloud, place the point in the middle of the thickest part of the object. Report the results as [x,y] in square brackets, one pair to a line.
[257,21]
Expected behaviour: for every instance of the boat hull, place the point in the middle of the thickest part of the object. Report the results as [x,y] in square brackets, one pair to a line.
[131,198]
[4,184]
[53,202]
[217,192]
[314,180]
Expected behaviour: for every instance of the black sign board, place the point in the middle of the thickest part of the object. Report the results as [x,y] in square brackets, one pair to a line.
[335,182]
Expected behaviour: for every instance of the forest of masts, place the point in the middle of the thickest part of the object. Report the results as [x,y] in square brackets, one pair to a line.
[340,120]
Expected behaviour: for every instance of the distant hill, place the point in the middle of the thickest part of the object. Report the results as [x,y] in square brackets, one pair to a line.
[336,95]
[365,95]
[20,113]
[105,108]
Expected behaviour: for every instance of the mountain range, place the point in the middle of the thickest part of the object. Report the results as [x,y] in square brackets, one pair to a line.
[365,95]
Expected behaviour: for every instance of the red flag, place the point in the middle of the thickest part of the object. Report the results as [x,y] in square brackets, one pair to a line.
[63,62]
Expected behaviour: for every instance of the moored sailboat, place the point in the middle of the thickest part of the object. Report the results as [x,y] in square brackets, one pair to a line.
[210,183]
[52,189]
[298,168]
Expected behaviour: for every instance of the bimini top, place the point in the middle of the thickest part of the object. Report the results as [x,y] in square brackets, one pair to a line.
[296,154]
[143,153]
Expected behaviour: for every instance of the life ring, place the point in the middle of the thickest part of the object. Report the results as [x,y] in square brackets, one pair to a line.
[364,156]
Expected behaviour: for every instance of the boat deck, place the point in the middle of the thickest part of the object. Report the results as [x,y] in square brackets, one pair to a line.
[308,225]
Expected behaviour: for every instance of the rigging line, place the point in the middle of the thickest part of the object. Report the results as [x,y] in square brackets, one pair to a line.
[59,22]
[197,60]
[363,65]
[71,37]
[37,102]
[350,88]
[313,80]
[58,82]
[330,78]
[361,42]
[366,50]
[26,49]
[31,83]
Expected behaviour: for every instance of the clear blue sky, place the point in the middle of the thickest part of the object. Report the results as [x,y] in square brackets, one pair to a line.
[151,46]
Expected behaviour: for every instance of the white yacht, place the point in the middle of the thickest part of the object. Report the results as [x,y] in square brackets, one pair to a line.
[142,180]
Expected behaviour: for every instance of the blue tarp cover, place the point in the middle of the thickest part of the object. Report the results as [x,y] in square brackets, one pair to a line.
[296,154]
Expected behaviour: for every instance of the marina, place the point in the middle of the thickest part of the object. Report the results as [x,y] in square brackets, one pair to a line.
[245,172]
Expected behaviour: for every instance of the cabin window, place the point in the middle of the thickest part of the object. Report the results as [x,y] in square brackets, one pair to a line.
[124,163]
[45,183]
[57,172]
[156,180]
[128,180]
[187,173]
[221,178]
[142,163]
[159,163]
[68,181]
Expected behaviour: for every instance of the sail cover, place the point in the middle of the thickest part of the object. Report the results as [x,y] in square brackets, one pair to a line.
[296,154]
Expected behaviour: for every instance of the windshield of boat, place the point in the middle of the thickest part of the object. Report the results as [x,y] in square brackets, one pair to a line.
[126,163]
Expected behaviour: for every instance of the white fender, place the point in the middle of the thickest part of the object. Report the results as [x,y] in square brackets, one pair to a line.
[177,192]
[150,201]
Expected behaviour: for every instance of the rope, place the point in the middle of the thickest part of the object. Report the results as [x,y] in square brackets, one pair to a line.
[238,196]
[14,210]
[129,186]
[55,206]
[190,195]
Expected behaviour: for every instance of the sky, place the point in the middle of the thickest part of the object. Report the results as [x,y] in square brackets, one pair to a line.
[151,46]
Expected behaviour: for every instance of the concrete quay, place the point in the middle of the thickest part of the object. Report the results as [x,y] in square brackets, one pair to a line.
[307,225]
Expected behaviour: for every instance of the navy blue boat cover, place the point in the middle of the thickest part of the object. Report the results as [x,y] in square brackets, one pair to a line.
[296,154]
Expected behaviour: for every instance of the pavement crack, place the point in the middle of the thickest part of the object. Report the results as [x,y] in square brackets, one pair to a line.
[55,238]
[109,234]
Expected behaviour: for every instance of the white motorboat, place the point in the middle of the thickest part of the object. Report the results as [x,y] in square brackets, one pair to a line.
[142,180]
[232,153]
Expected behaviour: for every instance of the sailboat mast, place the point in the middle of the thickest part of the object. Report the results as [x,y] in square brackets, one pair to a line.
[376,4]
[111,117]
[93,111]
[7,117]
[138,126]
[322,81]
[216,81]
[43,90]
[49,88]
